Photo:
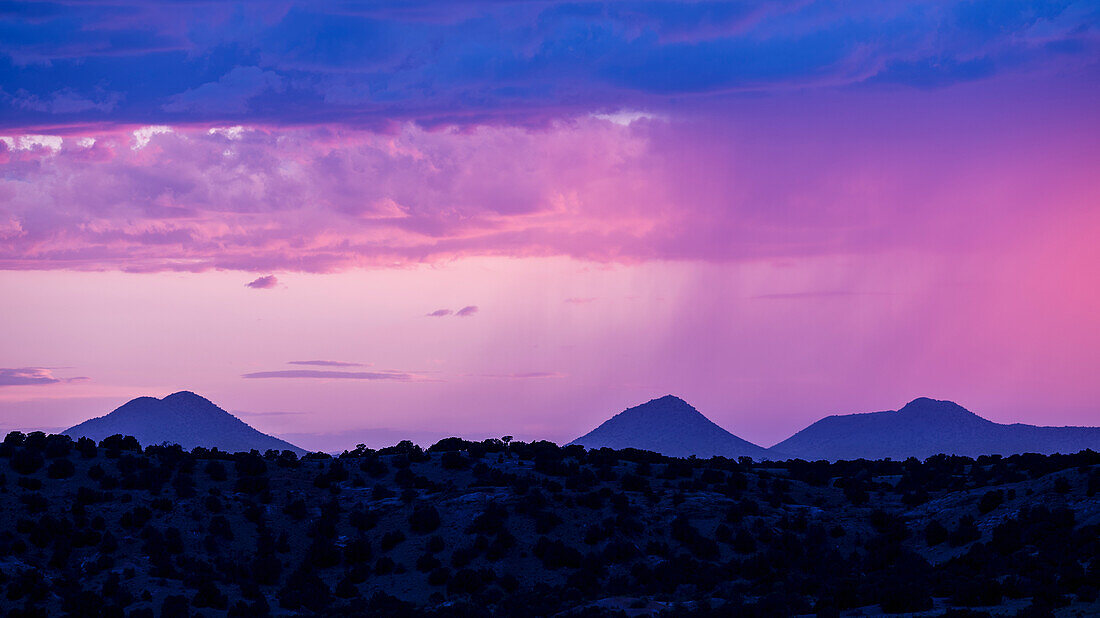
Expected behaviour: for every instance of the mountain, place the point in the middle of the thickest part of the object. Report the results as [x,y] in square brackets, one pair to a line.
[669,426]
[926,427]
[182,418]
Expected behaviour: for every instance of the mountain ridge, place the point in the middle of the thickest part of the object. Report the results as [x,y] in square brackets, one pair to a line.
[926,427]
[183,418]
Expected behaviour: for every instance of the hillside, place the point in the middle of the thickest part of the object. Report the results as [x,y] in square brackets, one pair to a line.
[182,418]
[925,427]
[531,529]
[670,426]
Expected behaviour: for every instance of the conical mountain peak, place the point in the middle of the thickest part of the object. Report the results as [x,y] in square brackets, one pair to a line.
[671,426]
[669,405]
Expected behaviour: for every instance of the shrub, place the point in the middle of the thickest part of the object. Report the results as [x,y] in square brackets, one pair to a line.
[435,545]
[87,448]
[427,563]
[208,595]
[556,555]
[29,483]
[424,519]
[966,532]
[362,519]
[251,485]
[990,501]
[935,533]
[391,539]
[466,581]
[439,576]
[304,589]
[215,470]
[57,445]
[296,509]
[26,461]
[490,521]
[976,592]
[357,551]
[249,464]
[449,444]
[384,566]
[135,517]
[175,606]
[220,527]
[61,469]
[118,442]
[901,595]
[452,460]
[345,589]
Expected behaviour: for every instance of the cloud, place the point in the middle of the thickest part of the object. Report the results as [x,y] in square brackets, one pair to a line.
[718,189]
[263,283]
[230,94]
[462,313]
[327,363]
[820,294]
[65,101]
[29,376]
[580,300]
[395,376]
[485,62]
[523,376]
[142,135]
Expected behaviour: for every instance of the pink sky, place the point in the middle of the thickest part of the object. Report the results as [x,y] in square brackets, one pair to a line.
[771,259]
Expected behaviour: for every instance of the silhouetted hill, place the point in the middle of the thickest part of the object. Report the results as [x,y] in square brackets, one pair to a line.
[926,427]
[182,418]
[672,427]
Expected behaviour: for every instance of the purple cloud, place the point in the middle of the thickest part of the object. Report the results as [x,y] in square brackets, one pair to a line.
[438,313]
[523,376]
[195,200]
[263,283]
[30,376]
[327,363]
[395,376]
[466,311]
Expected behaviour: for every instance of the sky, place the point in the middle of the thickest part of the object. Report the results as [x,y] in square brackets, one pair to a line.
[361,222]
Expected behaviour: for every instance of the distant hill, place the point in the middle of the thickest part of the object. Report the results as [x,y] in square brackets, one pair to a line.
[669,426]
[182,418]
[926,427]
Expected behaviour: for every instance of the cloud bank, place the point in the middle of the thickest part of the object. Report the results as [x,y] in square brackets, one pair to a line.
[477,62]
[319,137]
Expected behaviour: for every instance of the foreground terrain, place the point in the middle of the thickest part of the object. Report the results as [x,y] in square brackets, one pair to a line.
[470,528]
